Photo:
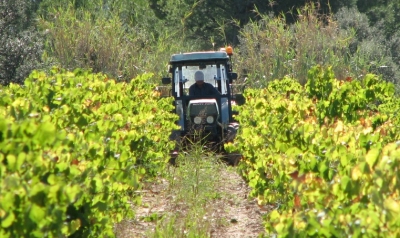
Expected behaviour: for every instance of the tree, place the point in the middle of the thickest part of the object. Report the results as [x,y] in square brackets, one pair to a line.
[382,13]
[21,48]
[209,21]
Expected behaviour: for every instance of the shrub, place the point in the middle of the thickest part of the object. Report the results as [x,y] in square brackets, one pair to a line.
[370,51]
[21,48]
[271,49]
[104,44]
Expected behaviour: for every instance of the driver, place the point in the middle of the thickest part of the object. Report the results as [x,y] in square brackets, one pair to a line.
[200,88]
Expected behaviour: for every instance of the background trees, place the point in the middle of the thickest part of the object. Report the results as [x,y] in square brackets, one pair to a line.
[124,38]
[21,45]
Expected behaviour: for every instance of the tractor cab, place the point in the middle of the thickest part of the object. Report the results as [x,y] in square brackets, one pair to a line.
[209,114]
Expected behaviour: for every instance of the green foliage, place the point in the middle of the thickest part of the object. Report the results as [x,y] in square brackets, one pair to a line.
[74,148]
[124,39]
[21,45]
[208,24]
[193,186]
[349,99]
[210,19]
[378,13]
[326,155]
[107,43]
[270,48]
[371,50]
[345,40]
[324,7]
[285,85]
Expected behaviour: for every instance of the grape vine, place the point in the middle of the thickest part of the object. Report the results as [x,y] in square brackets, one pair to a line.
[74,148]
[327,154]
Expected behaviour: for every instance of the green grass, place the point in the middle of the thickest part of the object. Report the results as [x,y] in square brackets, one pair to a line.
[193,184]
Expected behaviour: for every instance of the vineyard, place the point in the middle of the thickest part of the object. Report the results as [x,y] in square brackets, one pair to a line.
[326,154]
[76,146]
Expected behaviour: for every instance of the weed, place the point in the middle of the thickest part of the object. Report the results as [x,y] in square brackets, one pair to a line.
[104,44]
[271,49]
[193,185]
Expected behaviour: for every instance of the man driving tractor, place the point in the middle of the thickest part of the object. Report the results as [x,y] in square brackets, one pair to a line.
[200,88]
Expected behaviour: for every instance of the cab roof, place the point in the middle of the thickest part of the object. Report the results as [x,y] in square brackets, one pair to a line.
[199,56]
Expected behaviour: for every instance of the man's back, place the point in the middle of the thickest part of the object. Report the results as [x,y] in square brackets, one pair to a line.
[203,90]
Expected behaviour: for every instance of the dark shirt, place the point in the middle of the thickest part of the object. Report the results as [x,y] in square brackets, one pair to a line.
[206,89]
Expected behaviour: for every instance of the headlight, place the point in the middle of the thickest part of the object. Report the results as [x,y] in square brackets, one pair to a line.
[210,119]
[197,120]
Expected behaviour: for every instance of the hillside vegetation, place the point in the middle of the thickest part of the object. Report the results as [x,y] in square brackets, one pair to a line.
[123,39]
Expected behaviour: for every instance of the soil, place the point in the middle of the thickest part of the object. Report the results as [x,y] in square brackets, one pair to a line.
[232,215]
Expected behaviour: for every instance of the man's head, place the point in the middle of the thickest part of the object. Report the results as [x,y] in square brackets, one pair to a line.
[199,77]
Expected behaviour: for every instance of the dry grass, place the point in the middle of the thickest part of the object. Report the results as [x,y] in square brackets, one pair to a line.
[76,39]
[270,49]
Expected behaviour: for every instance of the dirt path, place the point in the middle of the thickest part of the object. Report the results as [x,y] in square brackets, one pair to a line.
[243,213]
[231,214]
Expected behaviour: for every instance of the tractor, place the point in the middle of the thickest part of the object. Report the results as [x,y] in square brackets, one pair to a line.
[208,118]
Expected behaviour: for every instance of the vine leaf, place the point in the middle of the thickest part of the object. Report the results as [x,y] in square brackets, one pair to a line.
[372,157]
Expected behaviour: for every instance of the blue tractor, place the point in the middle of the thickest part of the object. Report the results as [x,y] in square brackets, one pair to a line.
[209,116]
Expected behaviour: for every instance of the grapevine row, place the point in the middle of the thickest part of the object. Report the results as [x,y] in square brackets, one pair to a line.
[327,154]
[74,148]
